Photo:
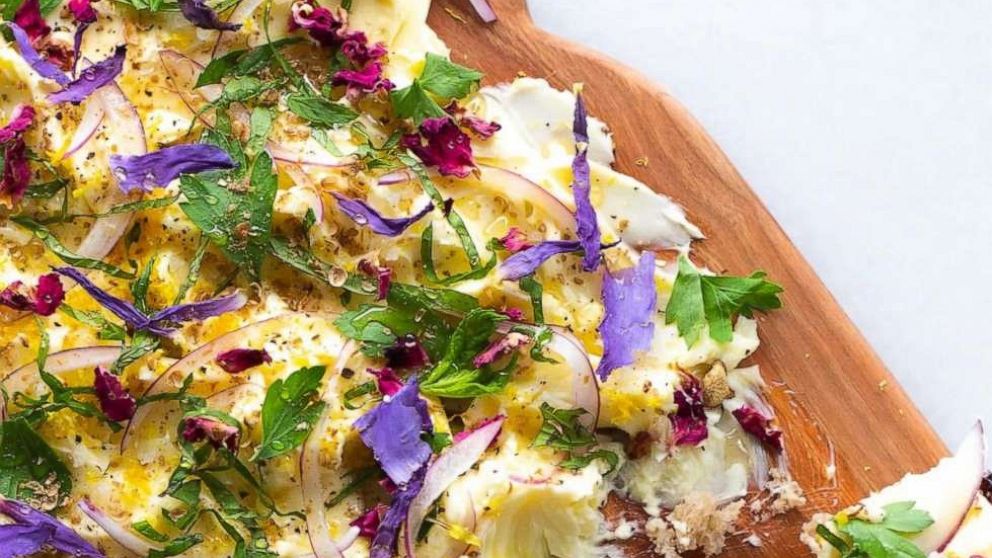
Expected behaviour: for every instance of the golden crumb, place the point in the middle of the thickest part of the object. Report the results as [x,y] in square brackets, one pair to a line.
[882,385]
[641,161]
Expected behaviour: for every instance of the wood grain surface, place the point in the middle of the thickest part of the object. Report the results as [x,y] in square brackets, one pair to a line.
[831,392]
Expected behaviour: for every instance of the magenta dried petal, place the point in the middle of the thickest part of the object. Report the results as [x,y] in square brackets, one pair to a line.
[448,148]
[57,535]
[482,128]
[203,16]
[82,11]
[322,24]
[16,171]
[464,433]
[382,275]
[386,536]
[387,382]
[367,80]
[526,261]
[20,120]
[92,78]
[159,168]
[44,68]
[218,433]
[407,352]
[363,214]
[758,425]
[513,313]
[368,522]
[239,360]
[356,49]
[689,421]
[28,17]
[392,431]
[115,401]
[501,347]
[629,301]
[48,295]
[17,296]
[585,214]
[515,240]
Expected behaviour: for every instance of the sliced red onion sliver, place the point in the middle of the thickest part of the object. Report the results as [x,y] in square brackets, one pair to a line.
[57,364]
[121,534]
[313,490]
[520,189]
[89,125]
[302,179]
[396,177]
[295,156]
[585,385]
[484,10]
[450,465]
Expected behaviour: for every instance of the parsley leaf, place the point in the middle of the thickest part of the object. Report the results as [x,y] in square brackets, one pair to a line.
[239,222]
[320,111]
[241,62]
[455,375]
[289,412]
[885,539]
[414,102]
[29,467]
[562,431]
[700,300]
[447,79]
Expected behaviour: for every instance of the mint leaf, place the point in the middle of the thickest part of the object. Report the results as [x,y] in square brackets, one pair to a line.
[289,412]
[414,102]
[447,79]
[238,221]
[562,431]
[240,62]
[877,541]
[319,111]
[700,300]
[858,538]
[903,517]
[455,375]
[260,124]
[29,469]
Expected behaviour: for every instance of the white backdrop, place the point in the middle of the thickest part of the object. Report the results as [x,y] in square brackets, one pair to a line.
[866,127]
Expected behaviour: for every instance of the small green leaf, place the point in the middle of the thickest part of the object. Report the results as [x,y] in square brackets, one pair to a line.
[532,287]
[289,412]
[576,462]
[447,79]
[260,124]
[904,517]
[427,259]
[29,469]
[107,330]
[414,102]
[320,111]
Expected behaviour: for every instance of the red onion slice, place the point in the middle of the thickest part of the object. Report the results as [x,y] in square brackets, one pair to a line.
[395,177]
[88,126]
[484,10]
[520,189]
[313,490]
[313,158]
[585,385]
[57,364]
[300,178]
[121,534]
[451,464]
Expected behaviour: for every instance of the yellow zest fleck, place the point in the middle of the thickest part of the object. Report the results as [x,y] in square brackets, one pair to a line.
[460,533]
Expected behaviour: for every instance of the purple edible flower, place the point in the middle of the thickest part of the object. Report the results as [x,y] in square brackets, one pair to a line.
[758,425]
[115,401]
[392,431]
[28,17]
[585,215]
[527,261]
[16,173]
[82,11]
[366,80]
[42,300]
[218,433]
[629,302]
[34,530]
[500,347]
[383,276]
[689,421]
[515,240]
[20,121]
[386,536]
[447,148]
[159,168]
[322,24]
[387,381]
[368,522]
[203,16]
[363,214]
[92,78]
[407,352]
[239,360]
[38,63]
[163,322]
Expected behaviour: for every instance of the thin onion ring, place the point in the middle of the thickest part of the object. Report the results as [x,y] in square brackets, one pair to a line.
[88,126]
[120,534]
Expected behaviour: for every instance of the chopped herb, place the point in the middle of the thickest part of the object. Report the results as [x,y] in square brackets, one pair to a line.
[141,344]
[533,287]
[455,374]
[42,233]
[356,393]
[320,111]
[414,102]
[241,62]
[562,431]
[427,259]
[260,124]
[193,274]
[29,469]
[885,539]
[289,412]
[107,330]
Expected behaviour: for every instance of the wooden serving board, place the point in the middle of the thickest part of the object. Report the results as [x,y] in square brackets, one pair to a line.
[828,386]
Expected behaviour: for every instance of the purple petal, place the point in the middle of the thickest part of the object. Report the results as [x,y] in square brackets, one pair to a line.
[203,16]
[585,215]
[23,540]
[689,421]
[82,11]
[115,401]
[91,78]
[527,261]
[239,360]
[384,542]
[60,537]
[120,308]
[16,170]
[368,522]
[20,120]
[383,276]
[758,425]
[366,80]
[628,327]
[363,214]
[218,433]
[407,352]
[501,347]
[197,311]
[448,148]
[482,128]
[356,48]
[28,17]
[159,168]
[44,68]
[17,297]
[392,431]
[42,300]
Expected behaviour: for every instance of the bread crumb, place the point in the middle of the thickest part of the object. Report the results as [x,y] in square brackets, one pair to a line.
[698,523]
[754,540]
[783,494]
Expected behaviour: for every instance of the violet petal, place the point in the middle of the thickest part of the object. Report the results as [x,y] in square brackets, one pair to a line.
[159,168]
[115,401]
[392,431]
[119,307]
[203,16]
[527,261]
[448,148]
[689,421]
[363,214]
[500,347]
[629,300]
[239,360]
[38,63]
[198,311]
[585,215]
[60,536]
[384,541]
[92,78]
[758,425]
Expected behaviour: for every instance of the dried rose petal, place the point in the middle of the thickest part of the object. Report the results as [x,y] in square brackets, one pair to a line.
[758,425]
[322,24]
[219,434]
[28,17]
[484,129]
[42,300]
[356,49]
[20,121]
[383,276]
[368,522]
[447,148]
[407,352]
[386,380]
[501,347]
[513,313]
[464,433]
[115,401]
[515,240]
[17,296]
[16,171]
[82,11]
[239,360]
[689,421]
[203,16]
[367,80]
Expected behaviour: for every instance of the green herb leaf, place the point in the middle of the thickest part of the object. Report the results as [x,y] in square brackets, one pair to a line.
[576,462]
[320,111]
[699,300]
[149,532]
[177,546]
[240,62]
[29,469]
[141,344]
[242,88]
[193,275]
[903,517]
[884,539]
[427,259]
[455,375]
[139,287]
[260,124]
[43,234]
[107,330]
[358,478]
[447,79]
[532,287]
[414,102]
[561,430]
[437,440]
[289,412]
